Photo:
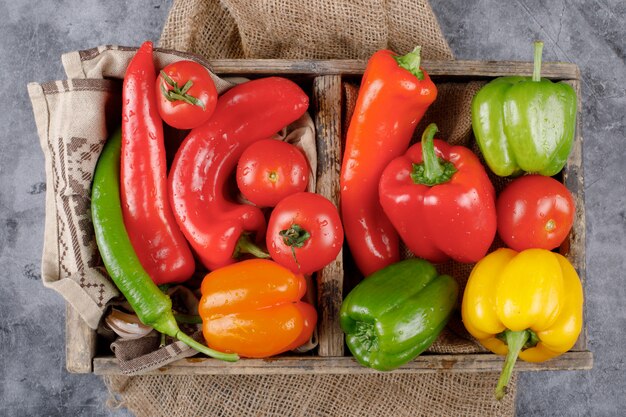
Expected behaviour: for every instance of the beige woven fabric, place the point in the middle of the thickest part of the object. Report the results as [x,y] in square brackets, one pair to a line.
[394,395]
[293,29]
[71,146]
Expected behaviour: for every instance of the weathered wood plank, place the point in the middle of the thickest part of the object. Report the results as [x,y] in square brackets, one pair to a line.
[452,69]
[347,365]
[574,247]
[80,343]
[327,109]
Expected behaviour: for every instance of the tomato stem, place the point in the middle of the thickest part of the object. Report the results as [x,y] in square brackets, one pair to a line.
[177,93]
[295,237]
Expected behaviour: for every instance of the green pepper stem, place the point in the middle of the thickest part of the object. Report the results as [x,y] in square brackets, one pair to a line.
[411,62]
[515,342]
[432,167]
[431,171]
[228,357]
[166,323]
[537,61]
[245,245]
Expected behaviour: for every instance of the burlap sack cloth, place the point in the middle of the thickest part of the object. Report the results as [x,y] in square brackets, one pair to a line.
[73,128]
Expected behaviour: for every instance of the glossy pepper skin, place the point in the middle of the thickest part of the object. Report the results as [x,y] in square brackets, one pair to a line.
[440,200]
[158,242]
[394,95]
[397,313]
[527,303]
[152,306]
[212,223]
[254,308]
[525,123]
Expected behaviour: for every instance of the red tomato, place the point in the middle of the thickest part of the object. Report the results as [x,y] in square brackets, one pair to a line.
[304,233]
[186,94]
[270,170]
[534,212]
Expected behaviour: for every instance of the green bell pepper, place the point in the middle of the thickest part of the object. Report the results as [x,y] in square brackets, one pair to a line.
[525,124]
[396,313]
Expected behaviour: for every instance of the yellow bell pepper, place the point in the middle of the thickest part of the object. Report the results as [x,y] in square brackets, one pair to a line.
[527,304]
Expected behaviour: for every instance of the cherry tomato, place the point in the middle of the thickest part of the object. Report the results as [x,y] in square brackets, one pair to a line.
[534,212]
[186,94]
[304,232]
[270,170]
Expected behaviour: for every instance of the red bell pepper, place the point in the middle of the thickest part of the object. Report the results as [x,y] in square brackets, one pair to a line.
[440,201]
[153,232]
[395,92]
[216,227]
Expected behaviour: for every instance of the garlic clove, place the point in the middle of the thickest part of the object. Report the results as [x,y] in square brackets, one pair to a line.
[126,326]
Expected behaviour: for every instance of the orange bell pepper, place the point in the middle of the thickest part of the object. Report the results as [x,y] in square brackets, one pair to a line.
[254,308]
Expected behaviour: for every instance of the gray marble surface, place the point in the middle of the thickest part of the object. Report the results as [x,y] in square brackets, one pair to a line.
[33,35]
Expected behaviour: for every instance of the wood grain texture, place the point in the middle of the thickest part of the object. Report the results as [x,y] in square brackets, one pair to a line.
[449,69]
[347,365]
[327,109]
[573,179]
[80,343]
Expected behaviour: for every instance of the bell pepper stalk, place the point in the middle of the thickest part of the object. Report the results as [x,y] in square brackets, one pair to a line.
[217,228]
[394,95]
[440,200]
[156,238]
[525,123]
[254,308]
[396,313]
[527,304]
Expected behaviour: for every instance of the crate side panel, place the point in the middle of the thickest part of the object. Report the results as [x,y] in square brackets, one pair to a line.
[327,108]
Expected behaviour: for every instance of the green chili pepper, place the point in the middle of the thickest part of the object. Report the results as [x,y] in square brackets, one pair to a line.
[152,306]
[396,313]
[525,123]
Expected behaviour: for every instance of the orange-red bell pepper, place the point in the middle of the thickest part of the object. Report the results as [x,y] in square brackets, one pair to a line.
[254,308]
[395,93]
[440,200]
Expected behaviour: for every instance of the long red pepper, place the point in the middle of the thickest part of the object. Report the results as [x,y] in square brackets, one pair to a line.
[216,227]
[440,200]
[395,93]
[153,232]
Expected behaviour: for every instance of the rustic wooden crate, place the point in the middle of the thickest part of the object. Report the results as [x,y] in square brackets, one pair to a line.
[324,81]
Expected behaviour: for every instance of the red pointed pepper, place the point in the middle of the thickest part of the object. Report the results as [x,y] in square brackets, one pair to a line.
[215,226]
[153,232]
[395,93]
[440,201]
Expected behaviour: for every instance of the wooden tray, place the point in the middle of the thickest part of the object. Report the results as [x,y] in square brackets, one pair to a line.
[324,81]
